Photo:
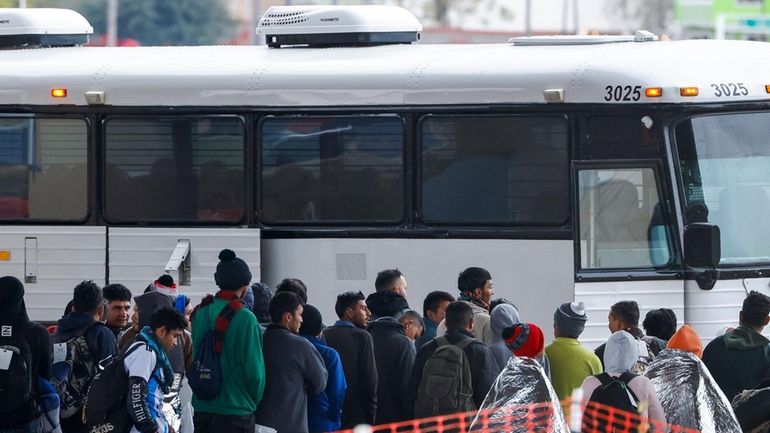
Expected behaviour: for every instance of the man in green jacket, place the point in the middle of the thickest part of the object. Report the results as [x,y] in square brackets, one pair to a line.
[740,359]
[243,366]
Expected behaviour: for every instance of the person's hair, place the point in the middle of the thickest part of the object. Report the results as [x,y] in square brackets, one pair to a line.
[282,303]
[472,279]
[411,315]
[500,301]
[434,299]
[116,292]
[386,279]
[756,308]
[347,300]
[168,317]
[627,312]
[660,323]
[87,297]
[69,308]
[458,315]
[293,285]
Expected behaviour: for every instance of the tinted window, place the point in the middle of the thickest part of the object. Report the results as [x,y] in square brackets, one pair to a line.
[332,169]
[495,169]
[43,169]
[622,137]
[184,169]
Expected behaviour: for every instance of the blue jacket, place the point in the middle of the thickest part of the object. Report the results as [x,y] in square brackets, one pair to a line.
[324,410]
[428,334]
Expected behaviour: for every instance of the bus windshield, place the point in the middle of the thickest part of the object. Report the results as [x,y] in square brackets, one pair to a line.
[725,166]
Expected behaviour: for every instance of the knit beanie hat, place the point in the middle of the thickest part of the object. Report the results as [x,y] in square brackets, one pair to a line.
[571,319]
[524,339]
[232,273]
[164,284]
[688,340]
[312,323]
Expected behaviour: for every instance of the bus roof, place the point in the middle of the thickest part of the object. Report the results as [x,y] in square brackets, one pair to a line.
[416,74]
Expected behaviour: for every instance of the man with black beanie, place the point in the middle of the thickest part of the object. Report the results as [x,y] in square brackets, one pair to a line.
[232,411]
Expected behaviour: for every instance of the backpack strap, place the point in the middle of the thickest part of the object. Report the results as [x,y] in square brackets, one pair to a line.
[466,342]
[442,341]
[626,378]
[604,378]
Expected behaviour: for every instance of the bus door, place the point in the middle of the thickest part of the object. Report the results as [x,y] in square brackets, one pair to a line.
[623,226]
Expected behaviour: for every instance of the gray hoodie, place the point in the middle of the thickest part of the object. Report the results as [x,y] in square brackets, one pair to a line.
[502,316]
[620,356]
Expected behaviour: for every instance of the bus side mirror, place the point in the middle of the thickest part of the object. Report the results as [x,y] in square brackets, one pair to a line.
[702,252]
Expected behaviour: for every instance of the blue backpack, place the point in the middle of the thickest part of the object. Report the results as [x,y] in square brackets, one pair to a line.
[205,373]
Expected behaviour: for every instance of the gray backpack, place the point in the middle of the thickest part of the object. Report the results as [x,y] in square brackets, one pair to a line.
[446,386]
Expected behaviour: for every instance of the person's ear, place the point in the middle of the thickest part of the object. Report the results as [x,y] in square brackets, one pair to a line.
[767,320]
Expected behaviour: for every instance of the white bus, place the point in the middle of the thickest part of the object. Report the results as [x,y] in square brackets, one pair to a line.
[569,167]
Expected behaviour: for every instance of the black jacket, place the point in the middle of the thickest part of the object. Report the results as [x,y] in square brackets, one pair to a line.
[394,354]
[356,350]
[484,368]
[386,303]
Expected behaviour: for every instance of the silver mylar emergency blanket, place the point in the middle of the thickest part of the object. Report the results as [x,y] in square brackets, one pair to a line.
[521,400]
[689,395]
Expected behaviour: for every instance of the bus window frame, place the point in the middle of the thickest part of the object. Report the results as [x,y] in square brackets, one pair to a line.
[104,118]
[665,272]
[90,175]
[488,226]
[336,224]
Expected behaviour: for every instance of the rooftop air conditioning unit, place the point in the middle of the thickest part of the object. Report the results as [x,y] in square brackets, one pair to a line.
[29,28]
[324,26]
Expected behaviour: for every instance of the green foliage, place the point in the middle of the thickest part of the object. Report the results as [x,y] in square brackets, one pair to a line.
[158,22]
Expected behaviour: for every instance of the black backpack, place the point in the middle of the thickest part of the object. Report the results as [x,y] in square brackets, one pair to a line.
[105,407]
[73,375]
[613,392]
[17,402]
[205,373]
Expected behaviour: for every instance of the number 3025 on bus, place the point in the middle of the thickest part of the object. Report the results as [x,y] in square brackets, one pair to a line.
[623,93]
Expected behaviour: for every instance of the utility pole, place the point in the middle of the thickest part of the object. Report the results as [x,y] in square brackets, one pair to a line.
[23,4]
[575,17]
[112,23]
[253,21]
[528,18]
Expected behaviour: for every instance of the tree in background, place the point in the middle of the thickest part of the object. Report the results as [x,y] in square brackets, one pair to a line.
[653,15]
[157,22]
[452,13]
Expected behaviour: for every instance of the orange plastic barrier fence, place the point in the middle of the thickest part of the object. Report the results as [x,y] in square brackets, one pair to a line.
[532,418]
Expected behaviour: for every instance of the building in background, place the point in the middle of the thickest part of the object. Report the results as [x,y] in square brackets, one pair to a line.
[724,19]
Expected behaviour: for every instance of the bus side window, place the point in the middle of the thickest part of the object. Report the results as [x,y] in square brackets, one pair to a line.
[621,222]
[43,169]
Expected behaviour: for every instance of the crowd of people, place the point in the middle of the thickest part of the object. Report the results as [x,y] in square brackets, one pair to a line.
[249,358]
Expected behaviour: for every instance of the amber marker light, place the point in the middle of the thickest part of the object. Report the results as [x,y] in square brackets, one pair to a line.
[653,92]
[767,88]
[59,93]
[688,91]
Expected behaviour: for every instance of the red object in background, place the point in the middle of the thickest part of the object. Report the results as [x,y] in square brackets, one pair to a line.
[14,208]
[101,41]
